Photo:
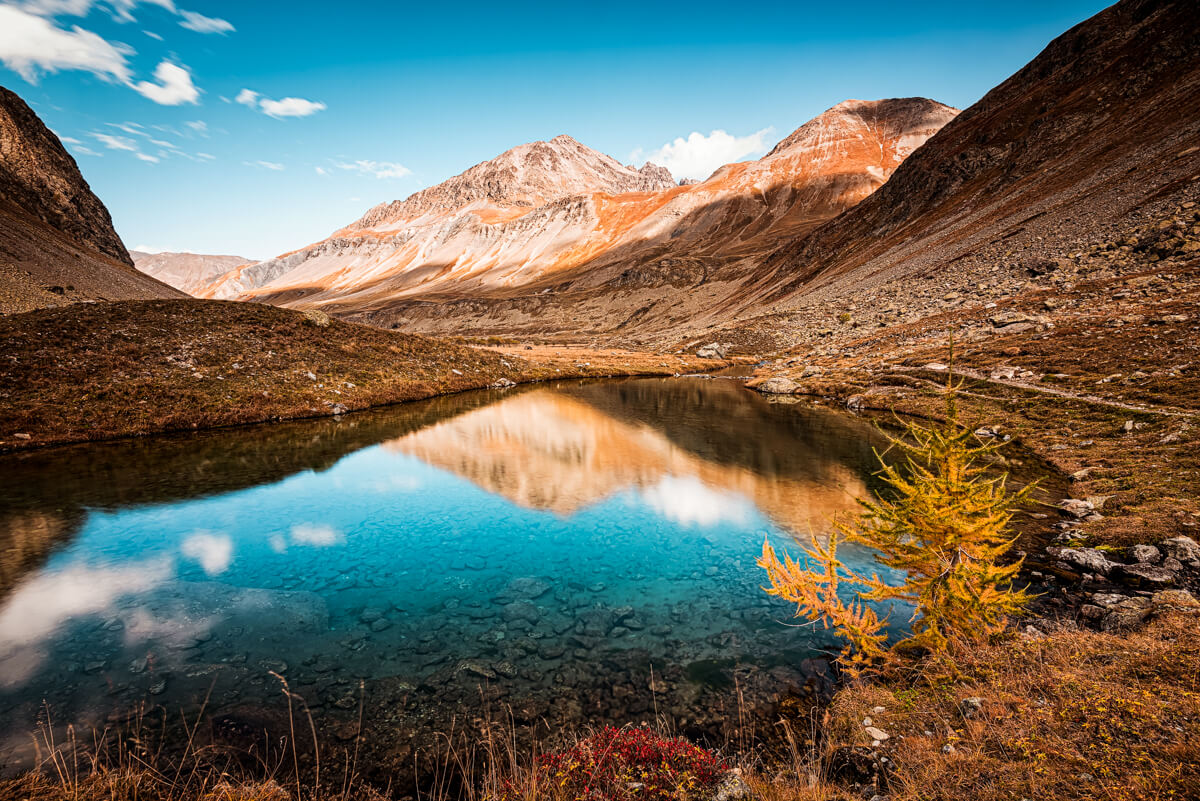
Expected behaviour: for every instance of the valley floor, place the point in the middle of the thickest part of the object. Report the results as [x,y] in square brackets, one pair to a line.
[92,371]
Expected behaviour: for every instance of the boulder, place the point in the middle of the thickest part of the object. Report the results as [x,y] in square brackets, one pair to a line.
[713,350]
[1126,614]
[1076,507]
[1087,559]
[778,386]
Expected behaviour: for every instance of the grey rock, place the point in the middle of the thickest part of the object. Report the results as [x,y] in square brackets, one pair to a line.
[1144,553]
[733,788]
[1126,614]
[713,350]
[1149,576]
[1185,549]
[1088,559]
[1077,508]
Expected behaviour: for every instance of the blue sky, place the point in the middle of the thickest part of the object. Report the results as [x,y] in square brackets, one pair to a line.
[355,103]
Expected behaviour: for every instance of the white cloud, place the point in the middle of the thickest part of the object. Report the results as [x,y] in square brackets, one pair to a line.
[266,165]
[322,171]
[376,169]
[290,107]
[202,24]
[199,126]
[287,107]
[146,157]
[214,552]
[688,502]
[153,35]
[174,87]
[205,156]
[121,10]
[30,45]
[699,156]
[116,142]
[315,534]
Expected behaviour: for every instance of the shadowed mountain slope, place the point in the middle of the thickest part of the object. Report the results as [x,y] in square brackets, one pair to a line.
[57,241]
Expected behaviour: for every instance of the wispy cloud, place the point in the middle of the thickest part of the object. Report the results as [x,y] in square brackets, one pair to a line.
[375,169]
[202,24]
[115,142]
[279,109]
[266,165]
[199,126]
[698,156]
[146,157]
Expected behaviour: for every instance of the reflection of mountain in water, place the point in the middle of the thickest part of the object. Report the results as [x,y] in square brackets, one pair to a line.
[45,494]
[557,448]
[695,450]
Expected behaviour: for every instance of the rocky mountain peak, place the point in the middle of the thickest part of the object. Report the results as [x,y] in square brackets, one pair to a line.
[38,175]
[528,175]
[897,118]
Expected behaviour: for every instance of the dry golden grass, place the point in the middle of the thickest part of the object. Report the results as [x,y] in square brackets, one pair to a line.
[104,370]
[1077,714]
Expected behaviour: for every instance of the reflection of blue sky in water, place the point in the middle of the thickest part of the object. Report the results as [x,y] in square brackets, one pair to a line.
[353,564]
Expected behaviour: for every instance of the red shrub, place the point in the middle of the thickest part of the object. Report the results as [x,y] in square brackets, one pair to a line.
[631,764]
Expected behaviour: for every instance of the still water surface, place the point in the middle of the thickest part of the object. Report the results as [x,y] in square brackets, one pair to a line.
[577,553]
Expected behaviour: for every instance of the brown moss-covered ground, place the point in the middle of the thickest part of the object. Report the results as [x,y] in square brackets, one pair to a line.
[102,370]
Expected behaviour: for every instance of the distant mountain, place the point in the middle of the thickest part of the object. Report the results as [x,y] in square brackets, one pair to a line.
[188,272]
[543,222]
[526,176]
[57,242]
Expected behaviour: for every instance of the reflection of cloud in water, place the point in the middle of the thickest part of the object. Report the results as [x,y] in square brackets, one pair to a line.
[687,501]
[315,534]
[214,552]
[38,608]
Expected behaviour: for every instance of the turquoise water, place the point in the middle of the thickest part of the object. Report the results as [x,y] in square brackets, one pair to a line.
[576,553]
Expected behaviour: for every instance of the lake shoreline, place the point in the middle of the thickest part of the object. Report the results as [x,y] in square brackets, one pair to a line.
[105,371]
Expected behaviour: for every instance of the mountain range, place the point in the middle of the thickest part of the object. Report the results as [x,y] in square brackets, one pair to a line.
[554,218]
[853,211]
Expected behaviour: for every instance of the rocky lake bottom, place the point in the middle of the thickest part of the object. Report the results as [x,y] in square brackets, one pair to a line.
[560,556]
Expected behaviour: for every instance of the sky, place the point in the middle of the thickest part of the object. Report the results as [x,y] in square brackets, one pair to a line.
[254,128]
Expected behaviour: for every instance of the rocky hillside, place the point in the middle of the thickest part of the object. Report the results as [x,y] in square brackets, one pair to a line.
[600,254]
[57,241]
[188,272]
[1083,145]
